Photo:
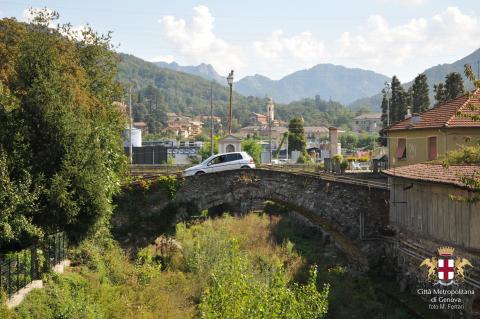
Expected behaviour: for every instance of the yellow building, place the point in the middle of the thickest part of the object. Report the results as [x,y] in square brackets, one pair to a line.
[431,134]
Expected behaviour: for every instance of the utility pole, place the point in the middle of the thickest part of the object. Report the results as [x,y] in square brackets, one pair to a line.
[211,119]
[270,118]
[387,92]
[270,136]
[230,83]
[131,123]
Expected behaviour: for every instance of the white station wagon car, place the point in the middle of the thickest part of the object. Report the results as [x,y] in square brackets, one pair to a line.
[221,162]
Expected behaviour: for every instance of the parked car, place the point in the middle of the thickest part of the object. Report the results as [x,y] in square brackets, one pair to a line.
[221,162]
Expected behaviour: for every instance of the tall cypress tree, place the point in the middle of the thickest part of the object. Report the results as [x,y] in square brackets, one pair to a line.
[384,106]
[420,92]
[454,85]
[398,104]
[440,93]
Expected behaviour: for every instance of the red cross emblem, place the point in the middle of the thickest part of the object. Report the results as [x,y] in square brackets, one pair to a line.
[446,269]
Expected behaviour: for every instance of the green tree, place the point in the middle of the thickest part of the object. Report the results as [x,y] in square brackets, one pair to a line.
[254,149]
[440,93]
[349,140]
[385,107]
[398,104]
[205,151]
[62,127]
[420,94]
[454,85]
[296,136]
[451,89]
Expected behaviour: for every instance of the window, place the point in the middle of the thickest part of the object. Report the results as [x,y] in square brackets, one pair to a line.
[432,148]
[230,148]
[401,148]
[234,157]
[218,160]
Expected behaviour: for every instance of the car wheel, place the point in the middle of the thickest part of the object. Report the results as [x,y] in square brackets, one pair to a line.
[245,166]
[199,173]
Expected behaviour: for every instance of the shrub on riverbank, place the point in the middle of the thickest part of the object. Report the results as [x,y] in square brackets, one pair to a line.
[225,252]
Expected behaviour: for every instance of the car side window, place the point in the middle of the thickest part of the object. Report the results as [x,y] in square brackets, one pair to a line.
[218,160]
[234,157]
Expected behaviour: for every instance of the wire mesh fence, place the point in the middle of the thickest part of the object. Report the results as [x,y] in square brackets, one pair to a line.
[18,269]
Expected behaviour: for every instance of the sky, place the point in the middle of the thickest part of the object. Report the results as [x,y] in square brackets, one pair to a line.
[276,38]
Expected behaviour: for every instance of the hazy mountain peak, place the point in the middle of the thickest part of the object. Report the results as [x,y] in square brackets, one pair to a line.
[327,80]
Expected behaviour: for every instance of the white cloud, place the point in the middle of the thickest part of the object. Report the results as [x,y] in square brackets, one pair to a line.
[302,46]
[416,44]
[197,43]
[403,49]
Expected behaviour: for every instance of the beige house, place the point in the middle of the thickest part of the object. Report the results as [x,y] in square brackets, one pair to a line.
[370,123]
[432,133]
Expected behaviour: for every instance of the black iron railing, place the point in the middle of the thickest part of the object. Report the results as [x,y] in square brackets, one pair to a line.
[18,269]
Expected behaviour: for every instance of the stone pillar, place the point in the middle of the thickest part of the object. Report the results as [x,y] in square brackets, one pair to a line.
[333,136]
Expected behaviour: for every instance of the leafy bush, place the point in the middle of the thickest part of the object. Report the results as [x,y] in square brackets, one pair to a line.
[253,149]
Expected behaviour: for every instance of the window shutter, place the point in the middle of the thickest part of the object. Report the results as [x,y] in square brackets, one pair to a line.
[402,143]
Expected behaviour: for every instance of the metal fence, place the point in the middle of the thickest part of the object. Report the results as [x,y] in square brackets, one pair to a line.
[18,269]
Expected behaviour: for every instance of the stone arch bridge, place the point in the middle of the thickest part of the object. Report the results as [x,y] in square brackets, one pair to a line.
[353,213]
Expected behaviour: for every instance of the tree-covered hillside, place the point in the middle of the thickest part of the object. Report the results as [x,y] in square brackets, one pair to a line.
[159,90]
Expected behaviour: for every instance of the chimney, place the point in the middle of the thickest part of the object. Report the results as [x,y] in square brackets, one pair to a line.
[409,114]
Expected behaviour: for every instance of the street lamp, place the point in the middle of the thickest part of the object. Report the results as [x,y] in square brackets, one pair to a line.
[230,83]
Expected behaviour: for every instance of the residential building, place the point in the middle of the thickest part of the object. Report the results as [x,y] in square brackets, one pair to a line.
[183,126]
[431,134]
[249,131]
[367,123]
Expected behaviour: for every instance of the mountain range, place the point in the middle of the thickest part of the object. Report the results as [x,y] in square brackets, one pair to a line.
[435,75]
[203,70]
[350,86]
[331,82]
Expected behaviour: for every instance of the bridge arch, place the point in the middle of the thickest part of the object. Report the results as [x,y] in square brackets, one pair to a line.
[349,213]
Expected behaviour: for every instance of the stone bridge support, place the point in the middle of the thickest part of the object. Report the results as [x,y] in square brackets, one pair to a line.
[351,214]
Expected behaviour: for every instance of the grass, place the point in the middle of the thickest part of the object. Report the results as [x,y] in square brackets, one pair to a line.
[193,273]
[105,283]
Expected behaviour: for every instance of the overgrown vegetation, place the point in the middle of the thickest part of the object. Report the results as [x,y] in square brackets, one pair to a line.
[60,133]
[187,276]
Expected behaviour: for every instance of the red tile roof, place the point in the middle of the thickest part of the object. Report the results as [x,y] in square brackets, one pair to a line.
[444,115]
[435,173]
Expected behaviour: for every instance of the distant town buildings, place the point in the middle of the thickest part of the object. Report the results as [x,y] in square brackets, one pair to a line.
[183,126]
[367,123]
[431,134]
